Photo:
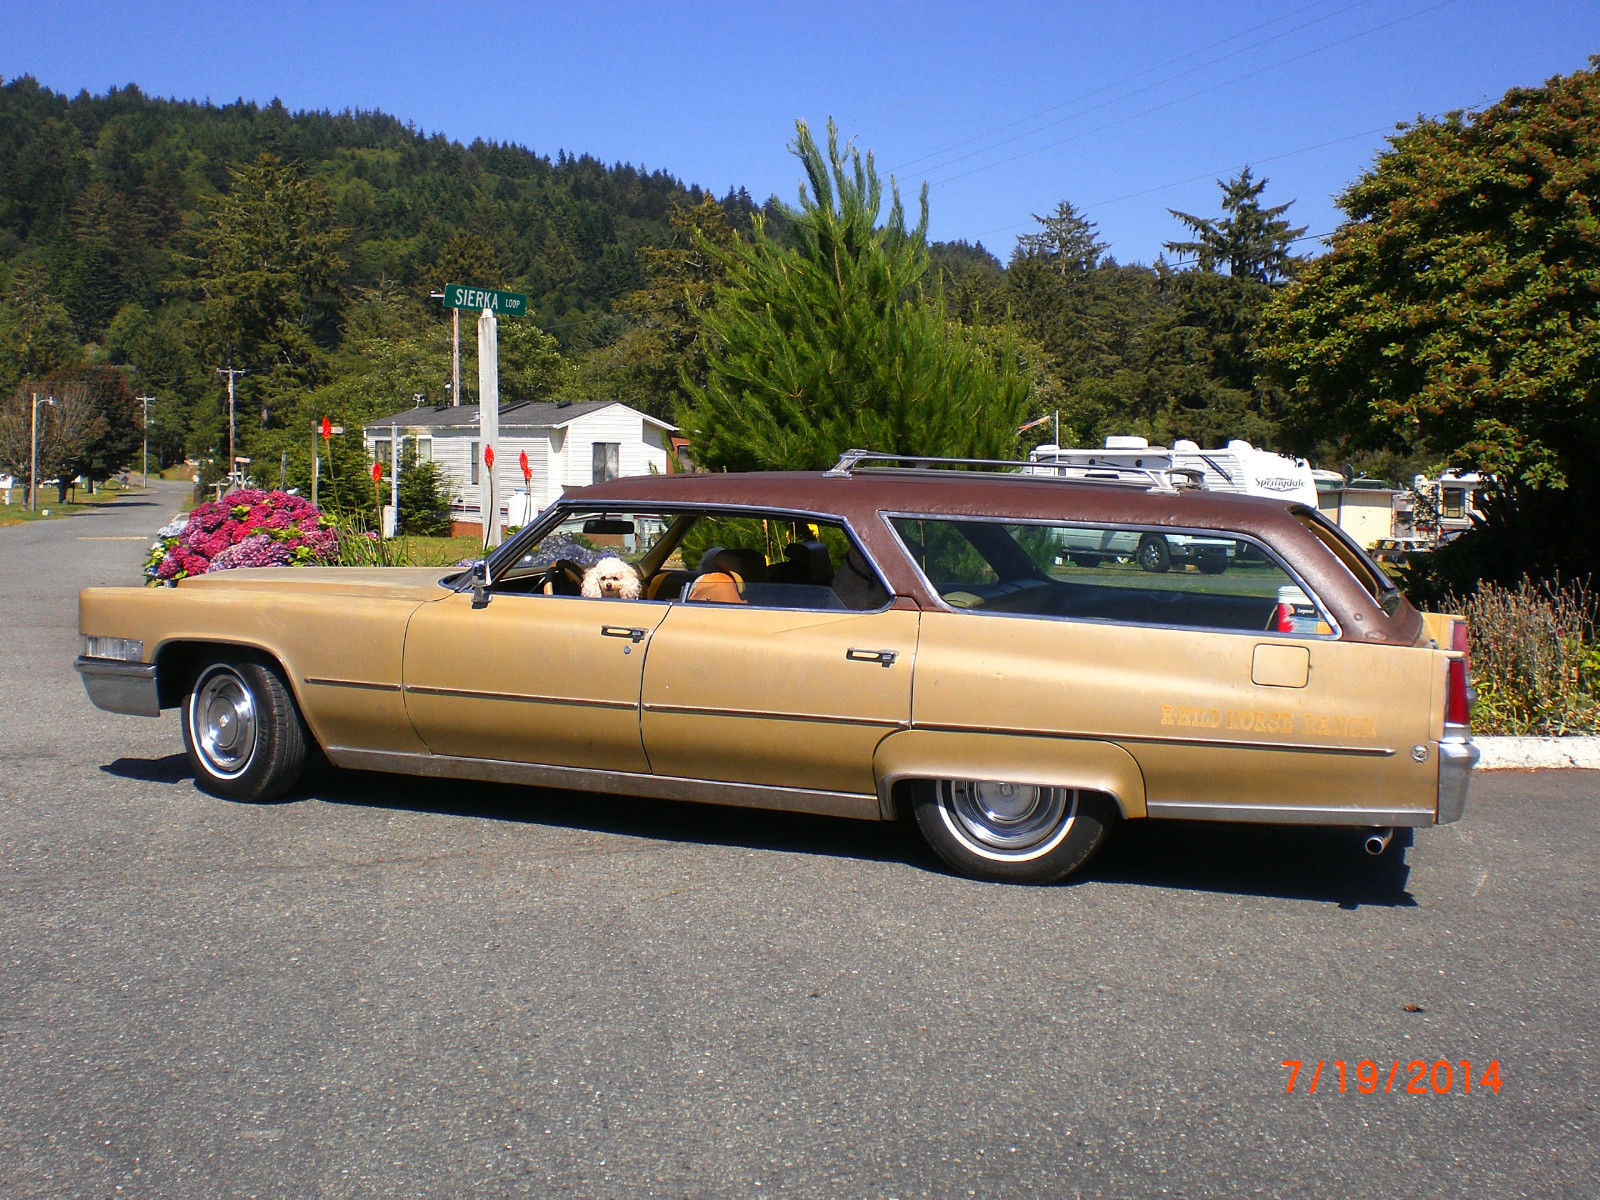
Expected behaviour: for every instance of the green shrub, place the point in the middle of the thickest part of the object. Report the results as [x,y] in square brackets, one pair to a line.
[1535,660]
[424,498]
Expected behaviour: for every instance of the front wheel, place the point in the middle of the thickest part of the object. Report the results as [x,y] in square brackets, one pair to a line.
[1154,554]
[1012,832]
[242,731]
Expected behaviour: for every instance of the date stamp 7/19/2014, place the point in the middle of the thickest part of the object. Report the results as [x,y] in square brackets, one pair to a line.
[1418,1076]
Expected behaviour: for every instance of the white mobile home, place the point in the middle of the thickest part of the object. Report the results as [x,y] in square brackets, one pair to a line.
[568,445]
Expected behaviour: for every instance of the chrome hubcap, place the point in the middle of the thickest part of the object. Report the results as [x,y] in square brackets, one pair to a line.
[1009,820]
[223,721]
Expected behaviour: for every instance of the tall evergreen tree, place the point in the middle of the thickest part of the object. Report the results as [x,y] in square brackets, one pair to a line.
[826,342]
[1249,241]
[272,261]
[662,345]
[35,329]
[1068,242]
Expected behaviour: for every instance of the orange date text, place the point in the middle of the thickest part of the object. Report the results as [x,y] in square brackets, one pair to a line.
[1418,1077]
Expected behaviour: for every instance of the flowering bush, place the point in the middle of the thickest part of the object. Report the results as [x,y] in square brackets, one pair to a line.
[573,547]
[246,528]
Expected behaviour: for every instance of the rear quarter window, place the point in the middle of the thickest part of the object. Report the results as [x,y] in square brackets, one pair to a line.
[1193,579]
[1354,559]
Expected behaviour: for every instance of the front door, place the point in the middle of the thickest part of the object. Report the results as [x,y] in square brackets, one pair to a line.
[531,678]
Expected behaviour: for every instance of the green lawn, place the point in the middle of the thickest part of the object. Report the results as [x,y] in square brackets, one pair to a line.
[1240,579]
[437,551]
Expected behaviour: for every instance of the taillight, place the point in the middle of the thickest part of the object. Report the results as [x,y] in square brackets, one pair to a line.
[1457,695]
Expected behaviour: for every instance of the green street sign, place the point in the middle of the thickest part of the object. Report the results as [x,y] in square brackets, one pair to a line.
[503,304]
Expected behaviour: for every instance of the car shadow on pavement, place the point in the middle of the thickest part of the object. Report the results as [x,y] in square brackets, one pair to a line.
[1288,862]
[174,768]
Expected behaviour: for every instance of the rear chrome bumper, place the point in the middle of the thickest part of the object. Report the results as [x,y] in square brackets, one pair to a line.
[1457,757]
[120,687]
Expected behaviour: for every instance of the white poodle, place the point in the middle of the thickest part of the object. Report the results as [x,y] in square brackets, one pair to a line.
[613,578]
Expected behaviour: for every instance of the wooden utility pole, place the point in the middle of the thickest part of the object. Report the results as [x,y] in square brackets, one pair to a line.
[145,400]
[33,451]
[232,373]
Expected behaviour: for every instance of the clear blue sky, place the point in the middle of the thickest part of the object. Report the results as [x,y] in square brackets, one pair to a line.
[1127,109]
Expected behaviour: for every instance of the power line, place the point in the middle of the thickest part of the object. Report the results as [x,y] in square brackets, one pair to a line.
[1308,237]
[1129,79]
[1118,83]
[1213,174]
[1201,92]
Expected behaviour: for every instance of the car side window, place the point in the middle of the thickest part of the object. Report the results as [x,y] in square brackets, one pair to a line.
[1198,579]
[598,554]
[777,561]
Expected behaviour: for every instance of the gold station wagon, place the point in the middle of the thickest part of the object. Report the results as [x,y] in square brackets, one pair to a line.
[868,642]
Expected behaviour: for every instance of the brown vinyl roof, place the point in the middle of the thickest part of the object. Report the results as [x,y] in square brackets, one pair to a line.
[955,493]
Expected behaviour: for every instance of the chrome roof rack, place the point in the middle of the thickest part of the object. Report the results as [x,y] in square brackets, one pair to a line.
[1156,480]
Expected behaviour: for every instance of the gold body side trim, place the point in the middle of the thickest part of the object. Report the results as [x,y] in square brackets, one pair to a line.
[1218,743]
[761,714]
[1288,814]
[366,684]
[518,697]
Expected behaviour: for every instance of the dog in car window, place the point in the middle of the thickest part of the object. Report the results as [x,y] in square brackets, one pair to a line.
[612,578]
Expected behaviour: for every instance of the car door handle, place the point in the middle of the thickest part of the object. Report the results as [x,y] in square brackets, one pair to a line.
[882,657]
[620,631]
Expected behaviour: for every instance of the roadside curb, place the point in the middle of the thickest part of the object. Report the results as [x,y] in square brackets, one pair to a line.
[1538,753]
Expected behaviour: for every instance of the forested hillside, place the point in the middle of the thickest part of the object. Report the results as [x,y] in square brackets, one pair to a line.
[109,193]
[181,238]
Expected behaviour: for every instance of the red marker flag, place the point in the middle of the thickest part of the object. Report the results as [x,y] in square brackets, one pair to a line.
[488,457]
[377,472]
[327,429]
[527,471]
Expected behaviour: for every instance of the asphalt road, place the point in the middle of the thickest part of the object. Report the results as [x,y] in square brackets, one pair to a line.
[409,989]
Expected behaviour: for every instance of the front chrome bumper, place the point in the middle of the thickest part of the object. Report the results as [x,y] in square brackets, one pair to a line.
[120,687]
[1457,757]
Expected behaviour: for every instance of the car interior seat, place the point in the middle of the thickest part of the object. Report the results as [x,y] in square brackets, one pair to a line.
[719,580]
[803,562]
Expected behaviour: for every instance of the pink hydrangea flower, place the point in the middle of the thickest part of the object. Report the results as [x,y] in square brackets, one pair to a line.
[247,527]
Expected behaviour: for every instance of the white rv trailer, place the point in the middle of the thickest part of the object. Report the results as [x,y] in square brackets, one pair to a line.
[1237,467]
[1240,467]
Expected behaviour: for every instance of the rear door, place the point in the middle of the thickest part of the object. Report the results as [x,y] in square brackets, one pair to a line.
[793,698]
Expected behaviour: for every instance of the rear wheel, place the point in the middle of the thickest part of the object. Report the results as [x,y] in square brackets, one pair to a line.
[242,731]
[1012,832]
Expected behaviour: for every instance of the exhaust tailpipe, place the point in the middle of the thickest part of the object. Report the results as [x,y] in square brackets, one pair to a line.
[1378,841]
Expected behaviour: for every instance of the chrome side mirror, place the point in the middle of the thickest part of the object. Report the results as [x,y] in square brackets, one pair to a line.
[480,584]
